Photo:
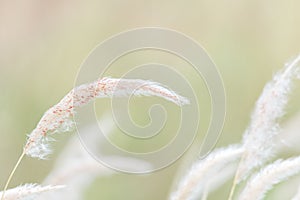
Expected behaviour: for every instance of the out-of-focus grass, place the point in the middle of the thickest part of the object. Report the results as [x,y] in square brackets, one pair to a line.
[43,45]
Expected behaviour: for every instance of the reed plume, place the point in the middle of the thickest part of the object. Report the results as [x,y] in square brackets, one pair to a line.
[28,191]
[263,181]
[59,118]
[203,170]
[259,137]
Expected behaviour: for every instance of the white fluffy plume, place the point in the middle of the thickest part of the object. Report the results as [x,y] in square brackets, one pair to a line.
[259,138]
[58,118]
[28,191]
[272,174]
[203,170]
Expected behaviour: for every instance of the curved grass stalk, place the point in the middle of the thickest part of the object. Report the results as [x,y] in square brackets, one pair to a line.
[11,174]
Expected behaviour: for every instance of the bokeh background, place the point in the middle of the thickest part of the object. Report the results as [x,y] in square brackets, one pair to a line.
[43,43]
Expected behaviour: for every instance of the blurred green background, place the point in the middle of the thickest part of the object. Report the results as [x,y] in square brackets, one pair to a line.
[43,43]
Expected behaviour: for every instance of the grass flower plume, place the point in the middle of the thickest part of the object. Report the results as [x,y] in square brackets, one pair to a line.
[258,139]
[59,118]
[272,174]
[203,170]
[28,191]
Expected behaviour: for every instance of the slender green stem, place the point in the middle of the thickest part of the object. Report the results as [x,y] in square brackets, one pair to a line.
[235,180]
[233,188]
[12,173]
